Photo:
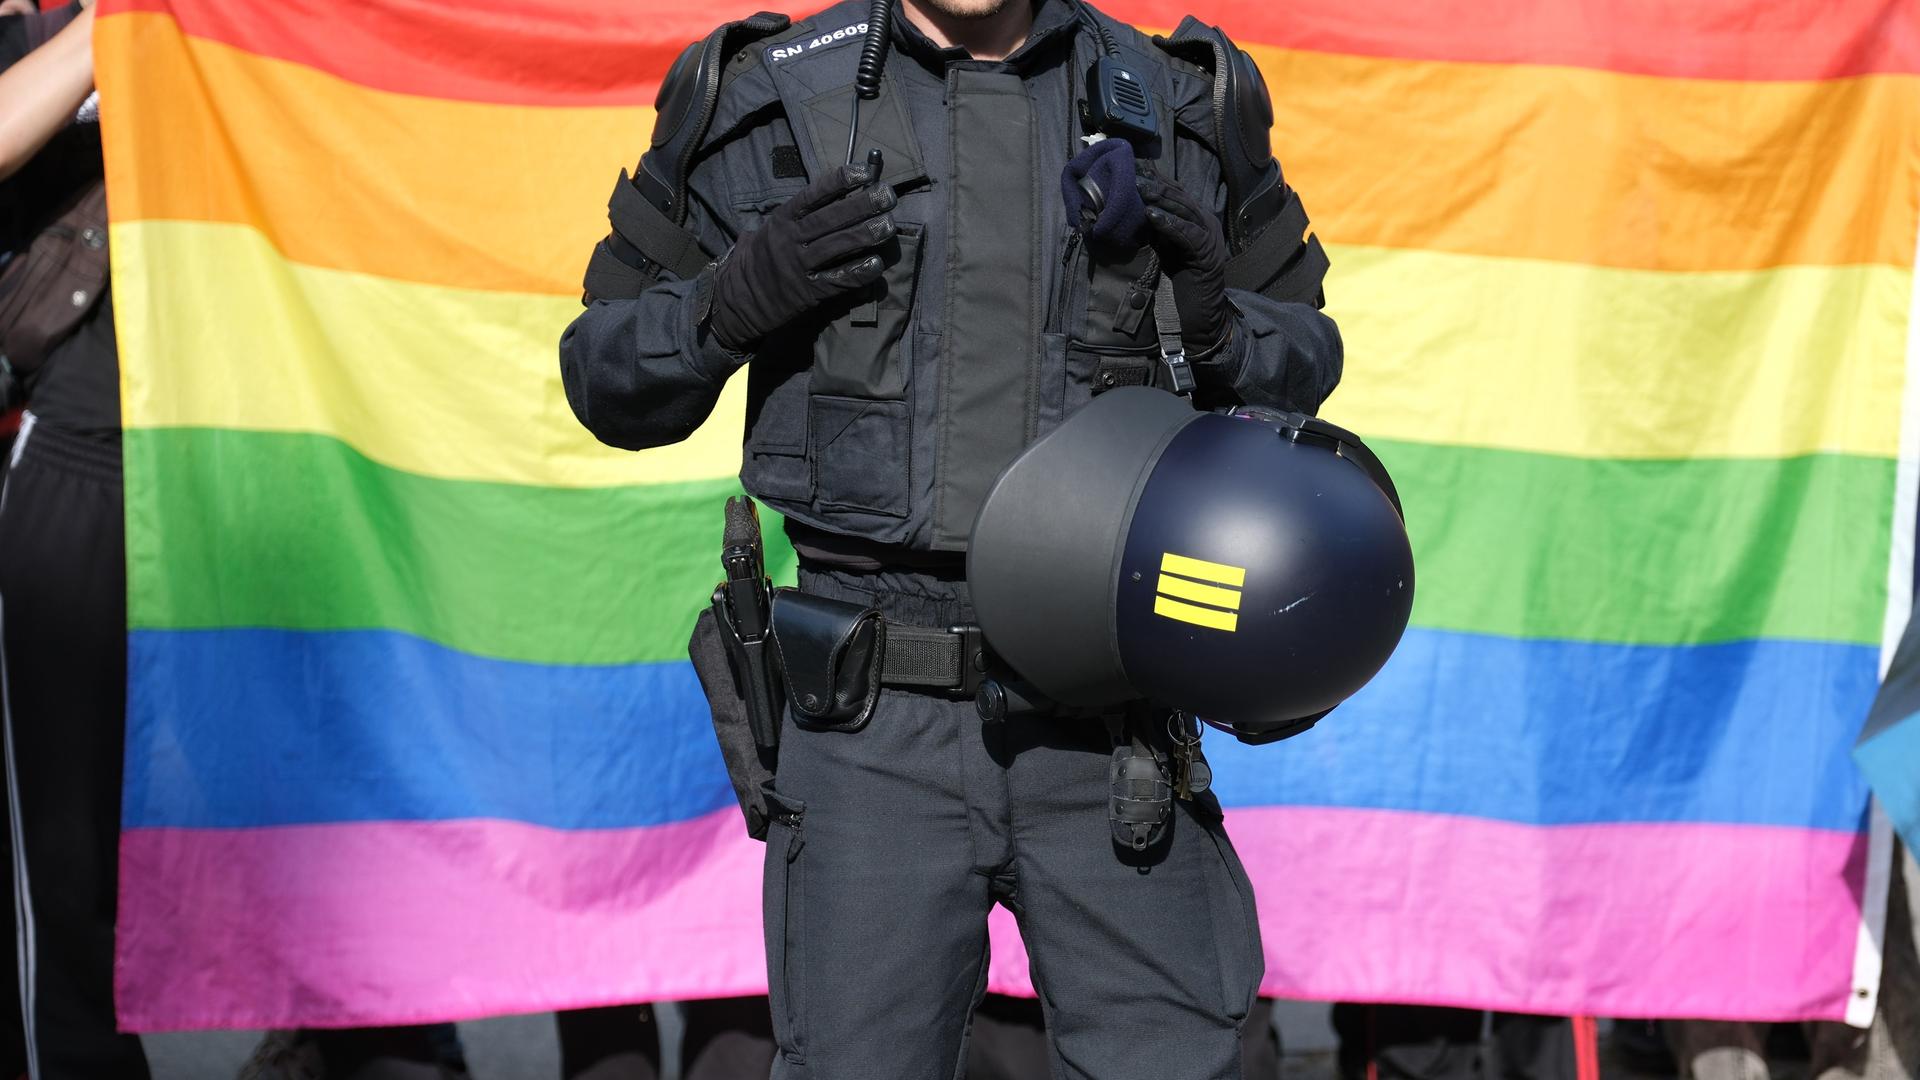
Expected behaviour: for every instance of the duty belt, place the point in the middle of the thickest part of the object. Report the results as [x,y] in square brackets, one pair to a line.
[836,655]
[954,659]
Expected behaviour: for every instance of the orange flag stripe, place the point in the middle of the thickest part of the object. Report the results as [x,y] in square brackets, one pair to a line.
[1573,165]
[450,193]
[1550,163]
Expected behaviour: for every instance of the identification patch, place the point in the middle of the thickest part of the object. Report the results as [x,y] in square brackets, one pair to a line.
[797,47]
[1199,592]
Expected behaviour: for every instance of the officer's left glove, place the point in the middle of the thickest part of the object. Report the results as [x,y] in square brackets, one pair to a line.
[1193,255]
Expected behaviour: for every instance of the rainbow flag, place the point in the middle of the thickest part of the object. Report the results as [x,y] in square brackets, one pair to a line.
[1626,288]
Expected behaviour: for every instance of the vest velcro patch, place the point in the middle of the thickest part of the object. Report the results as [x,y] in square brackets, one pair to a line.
[787,164]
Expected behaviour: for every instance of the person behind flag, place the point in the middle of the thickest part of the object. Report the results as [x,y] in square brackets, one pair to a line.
[872,212]
[1383,1041]
[62,554]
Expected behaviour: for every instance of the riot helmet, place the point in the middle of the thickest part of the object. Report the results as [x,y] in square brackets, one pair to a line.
[1251,567]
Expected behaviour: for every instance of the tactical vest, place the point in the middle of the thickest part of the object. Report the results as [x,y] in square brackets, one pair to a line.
[888,416]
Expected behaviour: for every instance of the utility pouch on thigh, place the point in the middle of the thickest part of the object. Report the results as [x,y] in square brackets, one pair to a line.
[830,657]
[1140,796]
[749,767]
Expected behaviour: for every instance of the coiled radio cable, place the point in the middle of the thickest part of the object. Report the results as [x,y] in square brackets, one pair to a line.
[872,64]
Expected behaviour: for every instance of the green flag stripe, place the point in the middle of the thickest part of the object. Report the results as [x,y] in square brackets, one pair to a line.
[232,528]
[1646,552]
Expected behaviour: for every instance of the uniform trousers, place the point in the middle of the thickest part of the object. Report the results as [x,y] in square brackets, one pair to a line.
[63,615]
[893,843]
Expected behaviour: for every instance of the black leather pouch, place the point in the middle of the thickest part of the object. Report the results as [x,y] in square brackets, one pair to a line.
[830,655]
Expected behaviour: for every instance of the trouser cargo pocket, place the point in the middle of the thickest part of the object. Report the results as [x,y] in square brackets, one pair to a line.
[1236,921]
[784,890]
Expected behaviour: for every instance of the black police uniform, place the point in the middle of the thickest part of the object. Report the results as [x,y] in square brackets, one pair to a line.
[875,427]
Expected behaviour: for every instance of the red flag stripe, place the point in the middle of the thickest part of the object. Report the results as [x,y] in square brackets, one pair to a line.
[558,52]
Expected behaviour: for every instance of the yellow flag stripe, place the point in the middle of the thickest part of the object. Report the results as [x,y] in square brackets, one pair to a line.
[1195,591]
[1787,363]
[1198,616]
[1629,364]
[218,330]
[1186,566]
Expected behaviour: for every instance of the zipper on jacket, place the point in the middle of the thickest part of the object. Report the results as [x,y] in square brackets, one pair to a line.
[1069,287]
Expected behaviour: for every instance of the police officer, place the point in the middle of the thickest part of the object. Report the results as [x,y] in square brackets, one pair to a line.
[907,330]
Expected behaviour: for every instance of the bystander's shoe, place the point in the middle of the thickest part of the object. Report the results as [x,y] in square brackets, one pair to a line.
[283,1055]
[1641,1046]
[403,1053]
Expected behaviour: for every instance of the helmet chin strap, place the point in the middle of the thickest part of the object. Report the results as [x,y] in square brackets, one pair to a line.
[1173,355]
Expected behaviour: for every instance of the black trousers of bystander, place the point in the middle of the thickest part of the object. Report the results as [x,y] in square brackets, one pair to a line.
[724,1039]
[64,619]
[1421,1042]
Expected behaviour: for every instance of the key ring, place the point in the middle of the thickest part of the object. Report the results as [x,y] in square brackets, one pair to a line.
[1182,738]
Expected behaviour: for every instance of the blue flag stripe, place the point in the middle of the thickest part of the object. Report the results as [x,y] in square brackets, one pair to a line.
[237,728]
[249,727]
[1559,733]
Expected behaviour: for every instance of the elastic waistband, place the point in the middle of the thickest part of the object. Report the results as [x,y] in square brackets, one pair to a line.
[95,456]
[837,551]
[915,599]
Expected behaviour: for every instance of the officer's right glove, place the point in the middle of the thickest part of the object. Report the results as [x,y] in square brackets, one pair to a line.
[808,251]
[1193,253]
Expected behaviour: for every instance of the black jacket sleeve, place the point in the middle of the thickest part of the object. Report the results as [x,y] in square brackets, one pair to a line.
[1285,355]
[13,39]
[643,372]
[1281,354]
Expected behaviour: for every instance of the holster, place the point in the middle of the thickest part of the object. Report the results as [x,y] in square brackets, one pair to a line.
[830,654]
[733,655]
[749,766]
[750,655]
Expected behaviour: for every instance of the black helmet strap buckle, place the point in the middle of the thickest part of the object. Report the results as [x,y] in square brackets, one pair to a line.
[1348,445]
[1176,373]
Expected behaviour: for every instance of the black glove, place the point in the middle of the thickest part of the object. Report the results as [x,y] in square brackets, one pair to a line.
[1193,255]
[805,253]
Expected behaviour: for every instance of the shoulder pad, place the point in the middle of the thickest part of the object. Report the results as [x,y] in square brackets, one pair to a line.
[649,212]
[688,96]
[1242,118]
[677,92]
[1266,225]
